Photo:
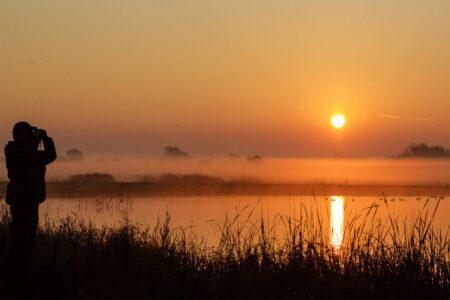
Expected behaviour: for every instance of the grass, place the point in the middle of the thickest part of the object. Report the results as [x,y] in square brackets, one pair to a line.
[378,260]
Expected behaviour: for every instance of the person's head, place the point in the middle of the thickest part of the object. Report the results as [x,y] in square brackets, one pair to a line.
[23,132]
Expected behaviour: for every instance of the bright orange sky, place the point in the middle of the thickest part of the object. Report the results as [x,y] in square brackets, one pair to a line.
[129,77]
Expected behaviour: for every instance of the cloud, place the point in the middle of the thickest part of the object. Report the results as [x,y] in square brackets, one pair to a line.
[30,62]
[406,118]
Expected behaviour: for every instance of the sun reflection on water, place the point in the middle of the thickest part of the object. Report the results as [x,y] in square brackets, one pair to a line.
[336,221]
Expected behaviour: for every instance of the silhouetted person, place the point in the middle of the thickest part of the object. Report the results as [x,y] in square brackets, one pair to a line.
[25,191]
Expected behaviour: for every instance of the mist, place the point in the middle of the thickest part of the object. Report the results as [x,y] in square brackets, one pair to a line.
[270,170]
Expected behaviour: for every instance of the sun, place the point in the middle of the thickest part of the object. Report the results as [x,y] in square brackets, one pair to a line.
[338,121]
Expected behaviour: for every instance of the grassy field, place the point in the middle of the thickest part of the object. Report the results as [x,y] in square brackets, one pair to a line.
[378,260]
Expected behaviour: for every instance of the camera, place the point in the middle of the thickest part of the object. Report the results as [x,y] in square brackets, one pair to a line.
[39,133]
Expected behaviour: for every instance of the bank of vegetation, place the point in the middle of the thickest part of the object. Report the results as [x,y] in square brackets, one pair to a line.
[170,184]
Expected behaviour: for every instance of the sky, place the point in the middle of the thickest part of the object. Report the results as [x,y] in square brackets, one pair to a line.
[214,77]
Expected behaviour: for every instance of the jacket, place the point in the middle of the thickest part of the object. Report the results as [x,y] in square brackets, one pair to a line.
[26,171]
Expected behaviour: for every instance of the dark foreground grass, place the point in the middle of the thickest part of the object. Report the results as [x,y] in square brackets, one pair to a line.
[379,260]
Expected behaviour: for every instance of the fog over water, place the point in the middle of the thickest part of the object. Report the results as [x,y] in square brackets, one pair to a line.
[346,171]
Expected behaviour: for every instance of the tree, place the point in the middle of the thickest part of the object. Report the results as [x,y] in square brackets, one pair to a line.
[422,150]
[174,152]
[74,154]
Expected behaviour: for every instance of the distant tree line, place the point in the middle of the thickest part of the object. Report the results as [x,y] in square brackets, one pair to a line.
[422,150]
[92,178]
[195,178]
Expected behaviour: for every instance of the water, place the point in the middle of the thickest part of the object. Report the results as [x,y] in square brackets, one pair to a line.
[204,214]
[337,221]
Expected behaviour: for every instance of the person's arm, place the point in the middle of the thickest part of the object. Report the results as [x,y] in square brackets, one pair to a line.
[49,153]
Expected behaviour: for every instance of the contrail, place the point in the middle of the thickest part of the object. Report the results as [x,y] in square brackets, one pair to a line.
[407,118]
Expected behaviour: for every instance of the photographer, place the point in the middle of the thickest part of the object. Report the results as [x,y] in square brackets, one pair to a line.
[26,190]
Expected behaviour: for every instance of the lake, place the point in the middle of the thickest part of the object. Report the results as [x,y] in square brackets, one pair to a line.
[334,215]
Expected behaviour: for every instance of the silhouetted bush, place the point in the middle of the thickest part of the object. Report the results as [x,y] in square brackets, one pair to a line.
[74,155]
[422,150]
[174,152]
[254,158]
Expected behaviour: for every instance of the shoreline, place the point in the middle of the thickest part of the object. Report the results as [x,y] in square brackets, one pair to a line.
[69,189]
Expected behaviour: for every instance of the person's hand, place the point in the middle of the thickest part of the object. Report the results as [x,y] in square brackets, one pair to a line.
[42,134]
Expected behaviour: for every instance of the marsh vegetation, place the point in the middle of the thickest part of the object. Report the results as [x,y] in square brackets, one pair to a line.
[287,257]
